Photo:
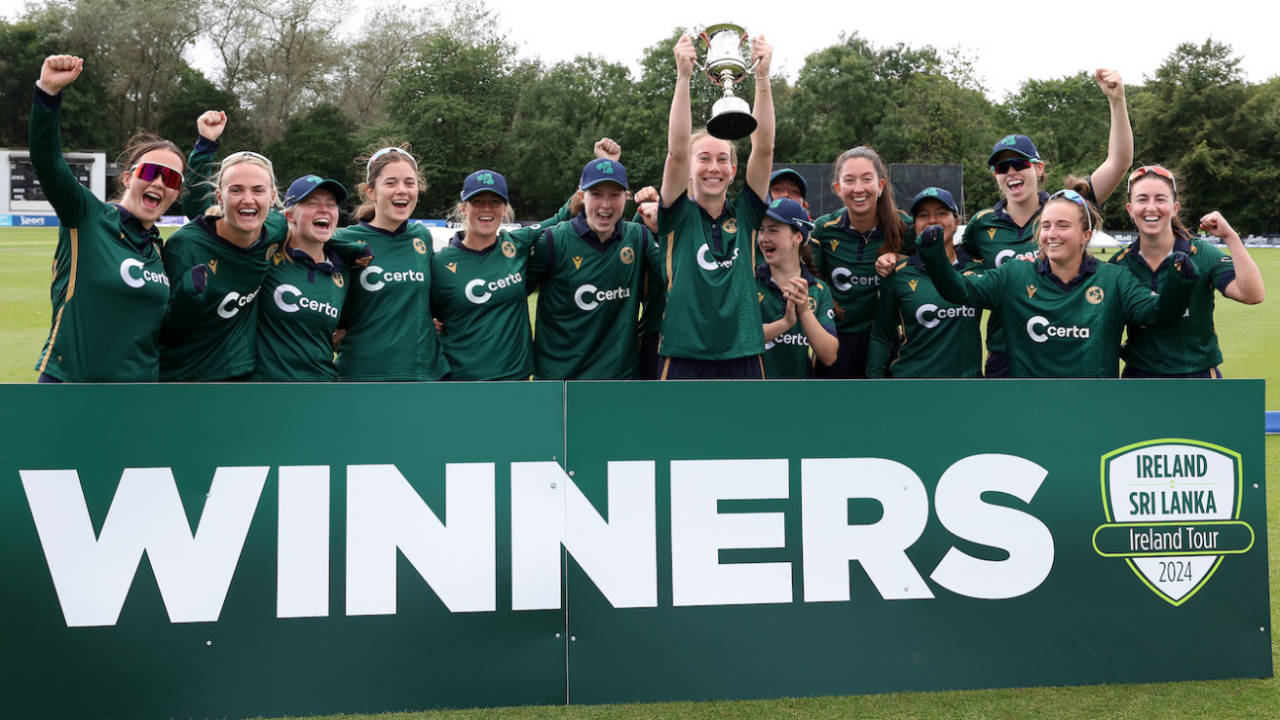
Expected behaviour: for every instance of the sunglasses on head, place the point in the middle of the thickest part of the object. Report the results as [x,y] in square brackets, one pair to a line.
[1008,164]
[1154,170]
[149,171]
[1078,199]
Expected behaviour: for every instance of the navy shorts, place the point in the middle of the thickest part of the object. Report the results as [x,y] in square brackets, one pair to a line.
[743,368]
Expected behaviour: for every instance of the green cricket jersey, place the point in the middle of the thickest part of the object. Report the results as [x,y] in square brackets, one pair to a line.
[481,298]
[1061,329]
[846,259]
[387,315]
[789,355]
[992,237]
[109,286]
[711,311]
[299,309]
[939,338]
[1190,345]
[211,334]
[588,299]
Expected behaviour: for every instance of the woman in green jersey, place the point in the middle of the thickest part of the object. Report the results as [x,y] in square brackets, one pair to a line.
[795,306]
[1190,347]
[1065,312]
[939,338]
[219,260]
[848,244]
[304,289]
[217,263]
[711,326]
[387,332]
[1008,229]
[109,284]
[479,290]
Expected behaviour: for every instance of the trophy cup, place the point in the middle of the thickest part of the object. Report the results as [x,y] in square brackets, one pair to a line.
[731,116]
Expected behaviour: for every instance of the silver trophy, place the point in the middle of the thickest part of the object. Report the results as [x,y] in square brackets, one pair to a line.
[731,116]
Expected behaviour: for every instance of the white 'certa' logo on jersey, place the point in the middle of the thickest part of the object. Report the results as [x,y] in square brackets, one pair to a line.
[142,278]
[233,301]
[487,288]
[1004,255]
[844,279]
[301,302]
[374,278]
[1039,329]
[709,263]
[931,316]
[588,297]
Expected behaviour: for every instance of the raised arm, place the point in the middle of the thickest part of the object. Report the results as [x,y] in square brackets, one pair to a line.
[675,172]
[67,196]
[1120,145]
[199,196]
[760,162]
[1247,286]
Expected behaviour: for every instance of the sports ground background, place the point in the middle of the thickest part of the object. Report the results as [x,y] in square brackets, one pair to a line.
[1250,338]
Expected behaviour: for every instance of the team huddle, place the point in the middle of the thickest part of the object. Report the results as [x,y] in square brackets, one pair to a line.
[697,284]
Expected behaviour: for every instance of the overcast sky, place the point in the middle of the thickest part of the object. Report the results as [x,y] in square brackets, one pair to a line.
[1040,40]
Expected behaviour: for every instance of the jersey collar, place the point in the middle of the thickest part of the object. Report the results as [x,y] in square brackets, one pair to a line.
[210,228]
[390,233]
[845,226]
[764,273]
[1181,243]
[999,211]
[150,234]
[332,263]
[580,226]
[1087,267]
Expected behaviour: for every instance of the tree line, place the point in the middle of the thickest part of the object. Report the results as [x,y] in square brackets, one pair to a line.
[452,85]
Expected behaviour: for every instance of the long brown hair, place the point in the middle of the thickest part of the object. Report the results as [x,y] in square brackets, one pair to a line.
[399,151]
[887,218]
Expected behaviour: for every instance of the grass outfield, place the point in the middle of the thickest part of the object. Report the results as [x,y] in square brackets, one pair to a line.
[1248,335]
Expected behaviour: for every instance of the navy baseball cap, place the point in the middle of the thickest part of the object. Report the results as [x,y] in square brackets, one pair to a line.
[302,187]
[789,212]
[791,175]
[934,193]
[1020,144]
[600,170]
[485,181]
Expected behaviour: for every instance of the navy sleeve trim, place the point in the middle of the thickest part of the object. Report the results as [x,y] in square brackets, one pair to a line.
[45,100]
[206,146]
[1223,280]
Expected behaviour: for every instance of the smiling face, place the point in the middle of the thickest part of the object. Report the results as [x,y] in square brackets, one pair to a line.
[934,212]
[603,204]
[712,169]
[778,241]
[315,217]
[1152,206]
[147,201]
[1017,185]
[484,213]
[1064,233]
[395,192]
[859,186]
[246,194]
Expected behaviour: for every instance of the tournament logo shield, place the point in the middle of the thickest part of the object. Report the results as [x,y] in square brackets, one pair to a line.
[1173,513]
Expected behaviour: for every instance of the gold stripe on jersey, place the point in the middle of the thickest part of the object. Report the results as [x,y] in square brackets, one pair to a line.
[671,241]
[71,291]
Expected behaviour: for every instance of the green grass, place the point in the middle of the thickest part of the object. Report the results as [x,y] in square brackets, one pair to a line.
[1248,336]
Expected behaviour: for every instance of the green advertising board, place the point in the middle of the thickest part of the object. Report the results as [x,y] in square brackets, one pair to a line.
[237,550]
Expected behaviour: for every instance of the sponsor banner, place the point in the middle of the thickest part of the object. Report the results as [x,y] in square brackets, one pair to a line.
[31,220]
[316,549]
[429,222]
[6,220]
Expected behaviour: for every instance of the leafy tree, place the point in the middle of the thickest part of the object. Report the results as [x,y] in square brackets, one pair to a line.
[322,141]
[194,94]
[86,124]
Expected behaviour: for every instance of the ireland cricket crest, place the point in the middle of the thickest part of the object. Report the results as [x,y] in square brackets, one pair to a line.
[1173,509]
